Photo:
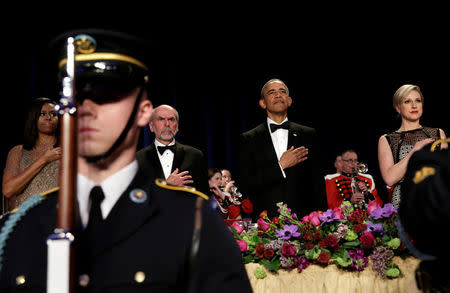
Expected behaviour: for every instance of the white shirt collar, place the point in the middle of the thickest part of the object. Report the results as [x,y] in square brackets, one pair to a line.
[157,143]
[113,187]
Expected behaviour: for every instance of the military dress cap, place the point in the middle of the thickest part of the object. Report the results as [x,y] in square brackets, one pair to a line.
[105,59]
[425,205]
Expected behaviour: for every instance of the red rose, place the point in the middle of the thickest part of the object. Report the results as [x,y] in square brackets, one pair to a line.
[260,249]
[307,236]
[288,249]
[276,220]
[322,243]
[309,245]
[233,212]
[358,228]
[367,240]
[247,206]
[324,257]
[268,253]
[317,235]
[331,240]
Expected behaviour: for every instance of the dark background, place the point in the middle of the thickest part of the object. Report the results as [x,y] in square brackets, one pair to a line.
[341,72]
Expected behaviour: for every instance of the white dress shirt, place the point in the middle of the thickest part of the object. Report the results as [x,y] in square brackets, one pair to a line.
[166,158]
[279,140]
[112,187]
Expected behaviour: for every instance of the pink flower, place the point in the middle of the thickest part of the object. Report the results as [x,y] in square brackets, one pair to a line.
[337,213]
[372,206]
[242,245]
[312,218]
[262,225]
[238,227]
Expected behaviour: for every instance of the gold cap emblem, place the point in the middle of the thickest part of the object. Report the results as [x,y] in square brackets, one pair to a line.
[85,44]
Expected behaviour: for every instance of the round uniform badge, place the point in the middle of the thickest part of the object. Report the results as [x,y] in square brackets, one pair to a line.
[138,195]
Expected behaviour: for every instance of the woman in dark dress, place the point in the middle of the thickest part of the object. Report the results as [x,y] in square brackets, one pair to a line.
[395,148]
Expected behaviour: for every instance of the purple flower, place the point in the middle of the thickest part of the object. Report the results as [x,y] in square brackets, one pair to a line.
[328,216]
[388,210]
[377,213]
[359,261]
[371,227]
[288,231]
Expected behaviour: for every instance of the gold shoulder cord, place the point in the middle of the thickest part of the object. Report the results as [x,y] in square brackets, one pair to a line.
[50,191]
[163,184]
[433,146]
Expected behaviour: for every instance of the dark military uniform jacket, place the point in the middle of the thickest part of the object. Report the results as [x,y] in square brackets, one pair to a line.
[142,247]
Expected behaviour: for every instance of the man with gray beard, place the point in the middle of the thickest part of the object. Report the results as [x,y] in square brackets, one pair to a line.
[178,164]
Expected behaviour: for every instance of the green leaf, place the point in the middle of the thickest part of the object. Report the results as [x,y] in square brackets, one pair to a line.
[342,258]
[313,253]
[271,265]
[249,258]
[351,244]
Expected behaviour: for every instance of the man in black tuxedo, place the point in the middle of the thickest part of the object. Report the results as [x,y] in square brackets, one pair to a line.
[179,164]
[279,159]
[130,235]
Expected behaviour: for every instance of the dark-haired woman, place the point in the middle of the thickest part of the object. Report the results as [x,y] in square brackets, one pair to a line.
[33,167]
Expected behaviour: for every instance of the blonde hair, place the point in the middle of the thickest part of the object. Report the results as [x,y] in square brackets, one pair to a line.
[403,91]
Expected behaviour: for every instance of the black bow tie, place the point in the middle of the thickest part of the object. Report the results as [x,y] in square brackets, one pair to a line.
[162,149]
[274,126]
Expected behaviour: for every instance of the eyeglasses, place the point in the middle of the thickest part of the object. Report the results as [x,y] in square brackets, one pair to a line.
[350,161]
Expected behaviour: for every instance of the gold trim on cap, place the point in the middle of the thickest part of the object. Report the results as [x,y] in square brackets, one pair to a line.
[105,56]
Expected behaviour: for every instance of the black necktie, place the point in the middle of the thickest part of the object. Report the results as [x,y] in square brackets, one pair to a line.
[95,213]
[274,126]
[162,149]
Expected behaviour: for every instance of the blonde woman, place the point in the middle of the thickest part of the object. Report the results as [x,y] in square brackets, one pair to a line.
[395,148]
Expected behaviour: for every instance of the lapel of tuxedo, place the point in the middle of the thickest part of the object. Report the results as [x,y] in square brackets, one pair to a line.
[294,136]
[267,144]
[178,157]
[155,162]
[126,216]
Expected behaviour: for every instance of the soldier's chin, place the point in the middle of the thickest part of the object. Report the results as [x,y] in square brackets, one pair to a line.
[90,151]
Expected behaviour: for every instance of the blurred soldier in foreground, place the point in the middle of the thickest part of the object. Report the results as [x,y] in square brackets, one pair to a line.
[131,235]
[425,216]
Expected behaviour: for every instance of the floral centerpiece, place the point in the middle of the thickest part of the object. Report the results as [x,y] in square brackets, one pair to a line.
[344,236]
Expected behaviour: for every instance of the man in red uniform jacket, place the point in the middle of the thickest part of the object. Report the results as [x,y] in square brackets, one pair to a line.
[350,185]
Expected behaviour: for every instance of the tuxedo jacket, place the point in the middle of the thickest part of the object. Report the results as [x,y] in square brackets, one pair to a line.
[150,239]
[186,158]
[261,177]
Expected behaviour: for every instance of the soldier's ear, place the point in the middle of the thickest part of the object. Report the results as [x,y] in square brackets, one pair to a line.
[145,111]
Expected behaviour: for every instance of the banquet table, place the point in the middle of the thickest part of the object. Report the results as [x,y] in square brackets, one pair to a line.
[331,279]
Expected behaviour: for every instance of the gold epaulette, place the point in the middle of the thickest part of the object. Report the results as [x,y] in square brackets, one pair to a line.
[40,194]
[163,184]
